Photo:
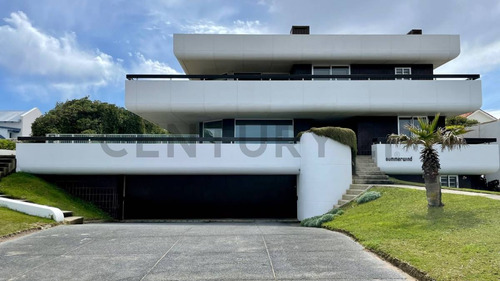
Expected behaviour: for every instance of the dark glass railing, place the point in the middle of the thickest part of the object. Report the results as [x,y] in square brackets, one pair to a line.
[151,139]
[283,77]
[383,140]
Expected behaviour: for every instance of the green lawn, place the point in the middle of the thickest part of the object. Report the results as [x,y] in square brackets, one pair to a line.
[32,188]
[460,241]
[396,181]
[12,221]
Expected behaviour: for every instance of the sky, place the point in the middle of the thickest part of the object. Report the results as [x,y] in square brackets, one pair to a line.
[54,50]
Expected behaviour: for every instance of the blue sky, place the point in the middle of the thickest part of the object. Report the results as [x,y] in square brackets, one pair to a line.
[52,50]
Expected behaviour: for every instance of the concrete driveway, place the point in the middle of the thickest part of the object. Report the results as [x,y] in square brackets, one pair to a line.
[190,251]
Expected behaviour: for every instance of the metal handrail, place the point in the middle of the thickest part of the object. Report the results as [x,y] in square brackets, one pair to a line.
[301,76]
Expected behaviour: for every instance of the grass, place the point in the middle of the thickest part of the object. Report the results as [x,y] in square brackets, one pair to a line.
[34,189]
[12,221]
[397,181]
[460,241]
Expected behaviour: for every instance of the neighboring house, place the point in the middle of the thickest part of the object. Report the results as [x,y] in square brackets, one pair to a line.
[15,124]
[256,93]
[480,115]
[486,129]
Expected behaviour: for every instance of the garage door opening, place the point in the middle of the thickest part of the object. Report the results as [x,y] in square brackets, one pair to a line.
[210,196]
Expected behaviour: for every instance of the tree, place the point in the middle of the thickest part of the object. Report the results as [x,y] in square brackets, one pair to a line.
[84,116]
[460,121]
[426,137]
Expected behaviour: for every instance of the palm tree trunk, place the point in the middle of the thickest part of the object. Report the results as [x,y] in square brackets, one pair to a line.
[433,191]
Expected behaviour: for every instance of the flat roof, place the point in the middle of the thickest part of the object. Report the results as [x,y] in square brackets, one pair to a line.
[227,53]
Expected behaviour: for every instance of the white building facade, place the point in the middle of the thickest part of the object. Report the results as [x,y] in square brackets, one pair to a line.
[245,98]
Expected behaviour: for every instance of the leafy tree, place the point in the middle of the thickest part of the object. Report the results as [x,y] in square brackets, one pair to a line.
[84,116]
[460,121]
[426,137]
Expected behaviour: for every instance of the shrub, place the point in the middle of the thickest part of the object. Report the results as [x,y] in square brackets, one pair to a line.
[368,196]
[335,211]
[7,144]
[317,221]
[343,135]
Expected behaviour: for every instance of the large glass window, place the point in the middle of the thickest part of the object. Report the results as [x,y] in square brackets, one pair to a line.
[212,129]
[331,70]
[264,129]
[403,122]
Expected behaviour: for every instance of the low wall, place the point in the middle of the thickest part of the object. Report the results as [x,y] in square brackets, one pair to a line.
[474,159]
[7,152]
[33,209]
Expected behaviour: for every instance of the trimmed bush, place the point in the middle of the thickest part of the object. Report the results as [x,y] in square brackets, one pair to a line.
[7,144]
[342,135]
[368,196]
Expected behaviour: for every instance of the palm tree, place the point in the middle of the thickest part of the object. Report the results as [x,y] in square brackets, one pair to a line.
[427,136]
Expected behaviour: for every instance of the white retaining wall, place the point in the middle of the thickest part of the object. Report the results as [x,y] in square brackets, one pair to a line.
[33,209]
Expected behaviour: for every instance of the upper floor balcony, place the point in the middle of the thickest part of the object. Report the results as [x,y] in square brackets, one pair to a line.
[175,99]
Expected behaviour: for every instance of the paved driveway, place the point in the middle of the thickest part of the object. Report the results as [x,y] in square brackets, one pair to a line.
[189,251]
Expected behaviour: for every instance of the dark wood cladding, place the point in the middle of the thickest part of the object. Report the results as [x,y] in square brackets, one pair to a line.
[389,69]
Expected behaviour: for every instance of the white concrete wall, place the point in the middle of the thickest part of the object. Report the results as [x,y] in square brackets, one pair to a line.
[324,178]
[7,152]
[221,53]
[188,102]
[488,130]
[33,209]
[163,159]
[475,159]
[27,119]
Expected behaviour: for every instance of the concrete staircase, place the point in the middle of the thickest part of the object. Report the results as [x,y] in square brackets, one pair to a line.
[70,219]
[352,193]
[7,165]
[368,173]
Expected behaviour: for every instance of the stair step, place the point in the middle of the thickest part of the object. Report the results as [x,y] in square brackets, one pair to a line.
[349,197]
[67,213]
[355,191]
[342,201]
[377,176]
[73,220]
[372,181]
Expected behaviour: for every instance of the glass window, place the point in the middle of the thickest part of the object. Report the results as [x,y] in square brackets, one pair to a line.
[402,71]
[340,70]
[449,181]
[264,129]
[321,70]
[212,129]
[331,70]
[404,121]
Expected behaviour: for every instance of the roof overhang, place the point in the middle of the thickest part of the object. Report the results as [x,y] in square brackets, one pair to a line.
[222,53]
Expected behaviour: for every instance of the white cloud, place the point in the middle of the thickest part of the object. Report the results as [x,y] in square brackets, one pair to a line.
[238,27]
[28,51]
[148,66]
[474,59]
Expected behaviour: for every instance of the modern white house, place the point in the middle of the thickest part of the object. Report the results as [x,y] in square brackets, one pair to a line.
[243,100]
[17,123]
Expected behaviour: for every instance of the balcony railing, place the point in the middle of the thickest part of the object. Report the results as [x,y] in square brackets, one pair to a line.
[284,77]
[383,140]
[130,138]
